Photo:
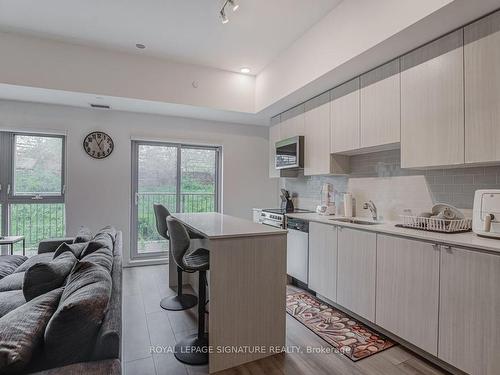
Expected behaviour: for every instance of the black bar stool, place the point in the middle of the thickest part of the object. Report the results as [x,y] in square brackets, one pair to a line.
[181,301]
[192,350]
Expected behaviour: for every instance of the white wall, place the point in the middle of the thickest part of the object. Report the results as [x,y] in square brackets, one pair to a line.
[34,62]
[353,27]
[98,191]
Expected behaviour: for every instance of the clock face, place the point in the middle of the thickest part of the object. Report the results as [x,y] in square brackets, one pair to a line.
[98,145]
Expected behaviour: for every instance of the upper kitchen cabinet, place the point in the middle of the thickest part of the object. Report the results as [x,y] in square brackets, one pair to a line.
[432,104]
[356,271]
[469,328]
[345,117]
[381,106]
[292,122]
[274,136]
[482,90]
[317,158]
[408,290]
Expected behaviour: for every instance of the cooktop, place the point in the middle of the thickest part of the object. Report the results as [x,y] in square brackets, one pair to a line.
[281,212]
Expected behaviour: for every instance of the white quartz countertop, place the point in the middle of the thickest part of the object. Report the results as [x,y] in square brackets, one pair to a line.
[467,240]
[215,225]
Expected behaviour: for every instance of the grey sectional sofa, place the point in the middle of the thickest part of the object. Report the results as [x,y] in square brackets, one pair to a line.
[76,326]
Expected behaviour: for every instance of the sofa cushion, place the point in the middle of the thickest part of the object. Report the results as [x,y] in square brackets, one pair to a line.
[13,281]
[103,238]
[83,235]
[21,331]
[39,258]
[102,257]
[76,248]
[9,263]
[44,277]
[11,300]
[72,330]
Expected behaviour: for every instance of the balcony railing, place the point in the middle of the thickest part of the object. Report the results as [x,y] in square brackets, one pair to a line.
[36,222]
[148,237]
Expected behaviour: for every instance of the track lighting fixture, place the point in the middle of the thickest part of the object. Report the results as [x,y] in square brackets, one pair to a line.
[223,16]
[234,5]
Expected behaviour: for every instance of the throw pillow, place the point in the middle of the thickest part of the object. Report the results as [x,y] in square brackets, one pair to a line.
[11,300]
[76,248]
[44,277]
[72,330]
[103,257]
[21,331]
[31,261]
[9,263]
[83,235]
[12,282]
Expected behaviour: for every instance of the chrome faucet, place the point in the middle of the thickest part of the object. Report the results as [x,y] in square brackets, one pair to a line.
[373,209]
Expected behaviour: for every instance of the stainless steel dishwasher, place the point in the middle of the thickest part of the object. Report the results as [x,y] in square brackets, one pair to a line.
[297,263]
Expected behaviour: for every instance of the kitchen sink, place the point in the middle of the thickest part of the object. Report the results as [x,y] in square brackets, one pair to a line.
[355,221]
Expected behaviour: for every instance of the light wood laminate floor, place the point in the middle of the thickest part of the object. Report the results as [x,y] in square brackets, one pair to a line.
[146,324]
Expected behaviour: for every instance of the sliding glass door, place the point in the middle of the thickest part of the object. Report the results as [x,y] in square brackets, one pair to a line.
[183,178]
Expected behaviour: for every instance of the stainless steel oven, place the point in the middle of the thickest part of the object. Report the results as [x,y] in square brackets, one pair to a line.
[290,153]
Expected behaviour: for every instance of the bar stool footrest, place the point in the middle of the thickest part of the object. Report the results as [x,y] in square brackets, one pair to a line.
[179,303]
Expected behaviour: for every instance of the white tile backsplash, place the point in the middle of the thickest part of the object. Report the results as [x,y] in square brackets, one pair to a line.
[379,177]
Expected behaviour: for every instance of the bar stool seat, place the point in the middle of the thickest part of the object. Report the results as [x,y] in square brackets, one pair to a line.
[192,350]
[197,260]
[181,301]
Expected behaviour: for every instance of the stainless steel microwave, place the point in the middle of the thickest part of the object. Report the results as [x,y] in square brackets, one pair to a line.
[290,153]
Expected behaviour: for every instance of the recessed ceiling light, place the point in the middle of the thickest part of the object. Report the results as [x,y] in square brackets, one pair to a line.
[245,70]
[140,46]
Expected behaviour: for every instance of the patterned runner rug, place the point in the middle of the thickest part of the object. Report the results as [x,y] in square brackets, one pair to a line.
[348,336]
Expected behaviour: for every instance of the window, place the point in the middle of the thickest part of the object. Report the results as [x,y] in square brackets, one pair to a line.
[32,187]
[183,178]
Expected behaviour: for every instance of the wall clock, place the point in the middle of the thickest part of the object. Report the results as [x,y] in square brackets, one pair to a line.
[98,145]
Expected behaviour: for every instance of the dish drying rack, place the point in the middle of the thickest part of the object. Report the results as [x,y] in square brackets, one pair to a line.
[433,224]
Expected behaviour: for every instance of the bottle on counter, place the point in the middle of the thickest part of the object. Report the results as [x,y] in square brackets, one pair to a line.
[347,204]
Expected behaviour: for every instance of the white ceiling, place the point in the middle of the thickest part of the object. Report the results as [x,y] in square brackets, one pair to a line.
[181,30]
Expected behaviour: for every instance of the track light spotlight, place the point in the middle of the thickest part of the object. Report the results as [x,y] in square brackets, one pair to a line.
[234,5]
[223,16]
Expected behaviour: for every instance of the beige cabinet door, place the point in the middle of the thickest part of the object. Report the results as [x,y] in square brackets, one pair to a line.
[345,117]
[292,122]
[274,136]
[408,290]
[317,136]
[432,104]
[469,315]
[356,271]
[482,90]
[381,106]
[323,260]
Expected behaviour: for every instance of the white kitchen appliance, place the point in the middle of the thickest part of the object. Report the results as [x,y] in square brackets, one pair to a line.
[486,213]
[297,248]
[327,206]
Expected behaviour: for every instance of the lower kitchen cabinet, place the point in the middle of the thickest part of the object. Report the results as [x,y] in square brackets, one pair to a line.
[469,318]
[323,260]
[356,270]
[408,290]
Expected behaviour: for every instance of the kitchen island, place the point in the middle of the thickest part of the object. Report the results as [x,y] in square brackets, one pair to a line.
[247,287]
